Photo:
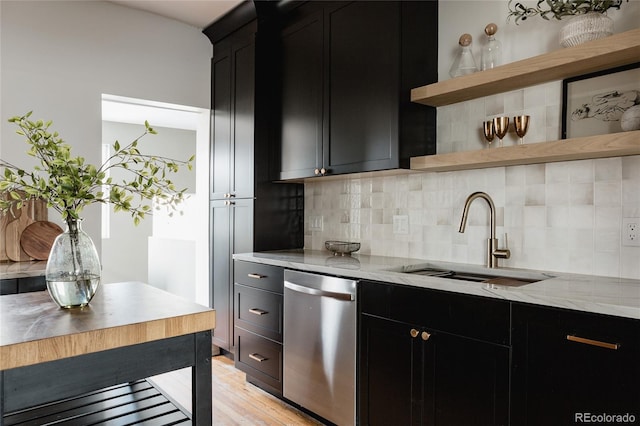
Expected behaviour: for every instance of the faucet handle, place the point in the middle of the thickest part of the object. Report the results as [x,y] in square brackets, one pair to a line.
[504,253]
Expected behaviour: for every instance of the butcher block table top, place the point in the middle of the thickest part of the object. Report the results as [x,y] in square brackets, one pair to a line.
[33,329]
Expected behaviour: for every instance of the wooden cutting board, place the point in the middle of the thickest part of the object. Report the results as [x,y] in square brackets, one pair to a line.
[5,218]
[14,224]
[36,239]
[14,230]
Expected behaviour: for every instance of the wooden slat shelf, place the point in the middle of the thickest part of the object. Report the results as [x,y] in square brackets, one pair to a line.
[601,146]
[131,403]
[616,50]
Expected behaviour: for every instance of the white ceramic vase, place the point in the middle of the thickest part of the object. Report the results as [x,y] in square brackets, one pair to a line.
[586,27]
[630,120]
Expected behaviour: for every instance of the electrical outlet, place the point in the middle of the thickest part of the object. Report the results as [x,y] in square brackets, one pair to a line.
[400,224]
[631,231]
[315,223]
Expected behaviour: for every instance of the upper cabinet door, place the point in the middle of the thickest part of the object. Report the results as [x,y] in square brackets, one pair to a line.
[220,121]
[233,107]
[243,84]
[363,48]
[346,73]
[301,97]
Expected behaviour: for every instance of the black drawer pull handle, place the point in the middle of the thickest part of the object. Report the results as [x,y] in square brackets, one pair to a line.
[256,276]
[257,357]
[258,311]
[586,341]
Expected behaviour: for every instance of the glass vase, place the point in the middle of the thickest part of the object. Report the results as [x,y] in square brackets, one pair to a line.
[73,268]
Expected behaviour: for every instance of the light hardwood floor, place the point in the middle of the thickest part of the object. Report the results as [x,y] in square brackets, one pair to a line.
[235,402]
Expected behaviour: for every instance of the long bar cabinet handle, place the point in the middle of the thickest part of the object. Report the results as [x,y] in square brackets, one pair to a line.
[256,276]
[607,345]
[258,311]
[257,357]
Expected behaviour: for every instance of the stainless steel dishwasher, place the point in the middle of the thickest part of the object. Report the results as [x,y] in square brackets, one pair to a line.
[320,345]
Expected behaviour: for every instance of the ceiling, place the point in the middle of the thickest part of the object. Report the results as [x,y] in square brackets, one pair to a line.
[198,13]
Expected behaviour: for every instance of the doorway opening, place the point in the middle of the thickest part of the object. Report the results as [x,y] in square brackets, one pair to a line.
[171,253]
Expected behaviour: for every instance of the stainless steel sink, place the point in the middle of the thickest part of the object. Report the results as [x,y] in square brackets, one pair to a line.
[495,279]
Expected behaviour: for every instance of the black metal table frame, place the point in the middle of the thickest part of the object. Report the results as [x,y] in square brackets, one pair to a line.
[32,385]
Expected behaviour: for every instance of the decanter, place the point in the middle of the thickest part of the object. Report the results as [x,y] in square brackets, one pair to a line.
[464,63]
[492,51]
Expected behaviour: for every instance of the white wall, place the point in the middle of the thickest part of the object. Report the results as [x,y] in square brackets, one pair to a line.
[563,217]
[58,57]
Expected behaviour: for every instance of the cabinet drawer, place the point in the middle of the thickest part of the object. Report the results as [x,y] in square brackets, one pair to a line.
[259,357]
[261,276]
[259,311]
[29,284]
[8,286]
[464,315]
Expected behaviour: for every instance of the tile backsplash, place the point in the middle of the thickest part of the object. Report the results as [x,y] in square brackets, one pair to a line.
[564,217]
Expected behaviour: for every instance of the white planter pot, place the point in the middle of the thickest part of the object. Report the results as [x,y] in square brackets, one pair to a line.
[586,27]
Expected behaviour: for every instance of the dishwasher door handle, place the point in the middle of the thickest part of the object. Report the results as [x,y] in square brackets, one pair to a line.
[317,292]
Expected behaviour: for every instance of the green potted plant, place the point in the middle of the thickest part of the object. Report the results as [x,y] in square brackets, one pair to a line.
[69,184]
[589,22]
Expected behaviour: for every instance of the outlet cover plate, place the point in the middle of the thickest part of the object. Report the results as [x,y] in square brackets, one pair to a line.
[631,231]
[316,223]
[400,224]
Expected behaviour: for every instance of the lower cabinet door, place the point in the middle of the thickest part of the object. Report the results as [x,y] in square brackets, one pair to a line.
[390,377]
[410,375]
[574,367]
[259,357]
[466,381]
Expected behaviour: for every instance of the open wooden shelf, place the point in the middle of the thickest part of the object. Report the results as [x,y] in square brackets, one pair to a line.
[616,50]
[601,146]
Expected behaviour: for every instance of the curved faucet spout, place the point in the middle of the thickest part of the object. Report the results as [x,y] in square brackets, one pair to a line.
[492,211]
[493,252]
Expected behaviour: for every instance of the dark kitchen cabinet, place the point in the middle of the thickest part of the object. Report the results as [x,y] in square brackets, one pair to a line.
[8,286]
[22,285]
[259,323]
[301,97]
[231,232]
[232,98]
[568,365]
[232,172]
[346,73]
[426,357]
[248,212]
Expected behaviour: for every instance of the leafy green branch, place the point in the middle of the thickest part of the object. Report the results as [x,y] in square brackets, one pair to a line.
[557,9]
[68,184]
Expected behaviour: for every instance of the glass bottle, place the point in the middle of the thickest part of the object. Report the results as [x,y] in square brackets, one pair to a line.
[464,63]
[492,51]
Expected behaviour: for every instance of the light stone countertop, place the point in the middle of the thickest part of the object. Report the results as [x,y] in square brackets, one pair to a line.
[11,270]
[604,295]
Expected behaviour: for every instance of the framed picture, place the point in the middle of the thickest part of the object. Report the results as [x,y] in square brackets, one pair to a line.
[592,104]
